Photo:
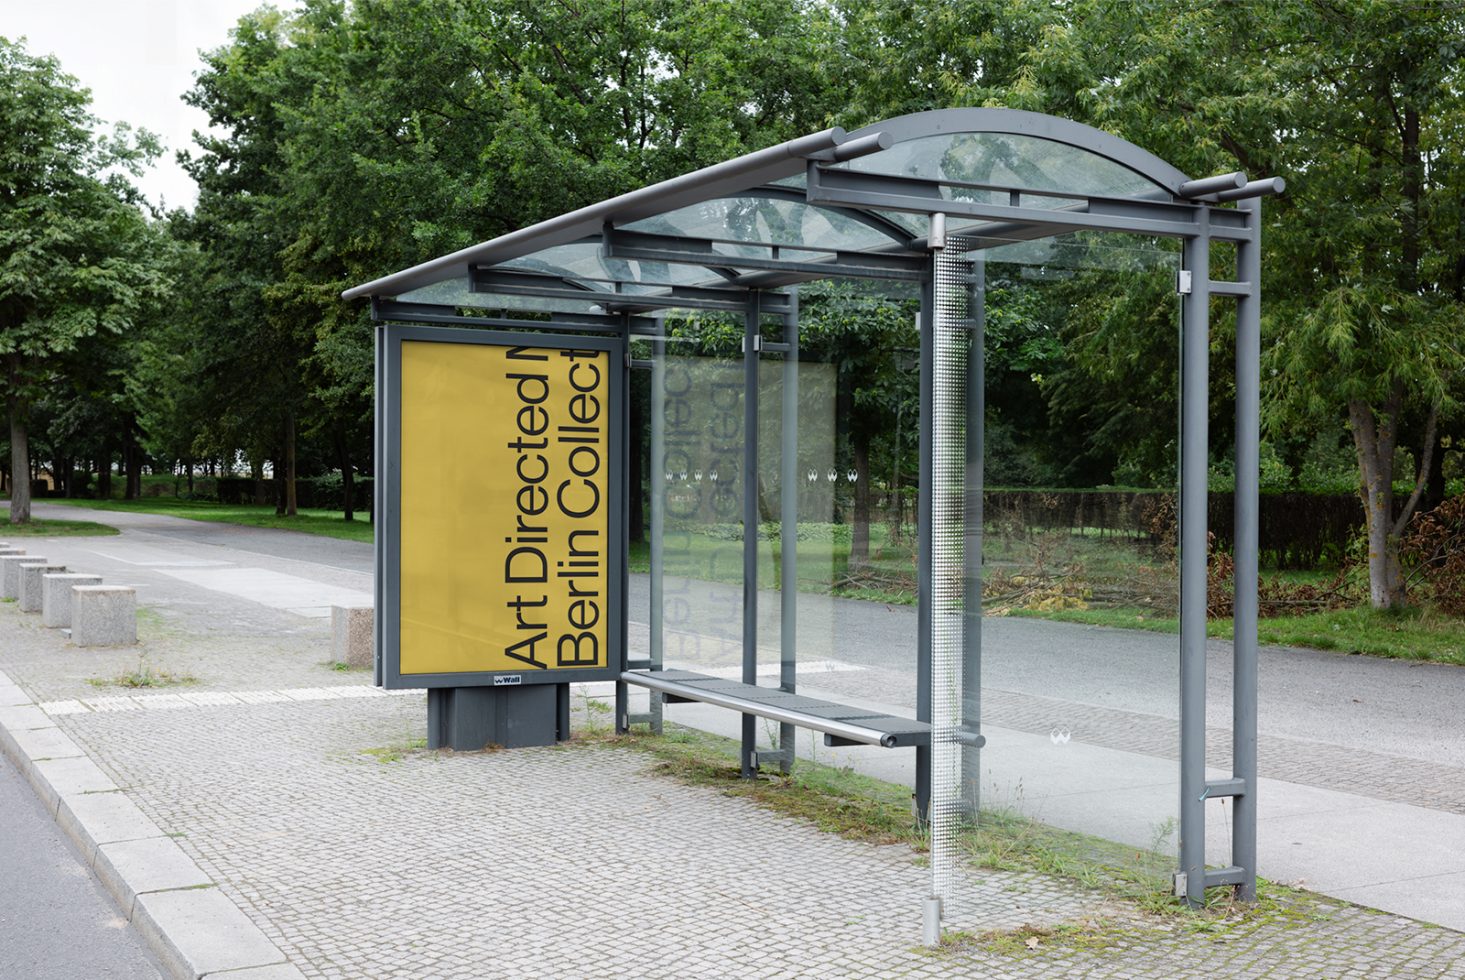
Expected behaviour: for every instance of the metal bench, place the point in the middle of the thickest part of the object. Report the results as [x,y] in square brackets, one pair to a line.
[840,723]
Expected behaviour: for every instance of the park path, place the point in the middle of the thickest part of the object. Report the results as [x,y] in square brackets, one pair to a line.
[1363,764]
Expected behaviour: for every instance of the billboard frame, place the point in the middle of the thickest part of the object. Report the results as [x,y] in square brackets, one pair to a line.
[388,654]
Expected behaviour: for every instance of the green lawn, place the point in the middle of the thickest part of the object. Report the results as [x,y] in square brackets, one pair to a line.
[45,528]
[1413,634]
[329,523]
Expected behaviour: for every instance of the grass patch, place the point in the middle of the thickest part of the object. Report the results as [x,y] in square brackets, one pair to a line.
[395,753]
[1409,634]
[41,527]
[861,808]
[324,522]
[145,676]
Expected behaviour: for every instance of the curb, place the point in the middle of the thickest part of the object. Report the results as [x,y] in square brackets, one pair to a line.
[192,927]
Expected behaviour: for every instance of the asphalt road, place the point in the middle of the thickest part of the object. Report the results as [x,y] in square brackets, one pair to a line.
[57,922]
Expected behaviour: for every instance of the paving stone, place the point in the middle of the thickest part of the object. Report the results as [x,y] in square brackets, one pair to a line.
[10,695]
[20,717]
[46,743]
[68,776]
[199,931]
[149,864]
[104,818]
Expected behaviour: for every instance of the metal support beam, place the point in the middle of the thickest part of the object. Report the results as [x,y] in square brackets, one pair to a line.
[899,193]
[788,536]
[926,327]
[973,485]
[1248,475]
[658,520]
[640,247]
[1194,440]
[447,316]
[751,323]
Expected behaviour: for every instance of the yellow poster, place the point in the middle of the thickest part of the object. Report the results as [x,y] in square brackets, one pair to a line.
[505,479]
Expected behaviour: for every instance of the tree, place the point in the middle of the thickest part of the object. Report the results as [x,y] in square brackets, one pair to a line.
[74,245]
[1358,104]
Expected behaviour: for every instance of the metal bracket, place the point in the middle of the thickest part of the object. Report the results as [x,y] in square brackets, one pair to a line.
[1183,282]
[937,238]
[1182,883]
[757,344]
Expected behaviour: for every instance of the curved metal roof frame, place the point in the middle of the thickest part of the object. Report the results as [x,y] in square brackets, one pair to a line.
[1019,122]
[828,160]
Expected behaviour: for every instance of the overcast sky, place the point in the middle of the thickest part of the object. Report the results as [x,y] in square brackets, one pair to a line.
[137,57]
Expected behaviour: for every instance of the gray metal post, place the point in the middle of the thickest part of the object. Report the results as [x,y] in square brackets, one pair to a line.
[750,522]
[1194,436]
[378,496]
[788,536]
[658,519]
[1248,437]
[973,487]
[926,324]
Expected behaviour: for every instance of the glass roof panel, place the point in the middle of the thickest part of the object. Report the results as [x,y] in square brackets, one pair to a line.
[583,260]
[1007,160]
[455,292]
[767,220]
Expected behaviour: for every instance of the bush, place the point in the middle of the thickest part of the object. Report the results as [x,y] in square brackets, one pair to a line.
[1434,546]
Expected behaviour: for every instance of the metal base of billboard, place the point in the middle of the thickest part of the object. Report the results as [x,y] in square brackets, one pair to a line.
[467,719]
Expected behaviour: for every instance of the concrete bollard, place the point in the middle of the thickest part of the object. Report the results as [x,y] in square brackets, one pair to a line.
[351,635]
[10,573]
[56,596]
[30,584]
[103,615]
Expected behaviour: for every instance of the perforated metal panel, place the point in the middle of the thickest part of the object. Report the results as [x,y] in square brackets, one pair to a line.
[953,596]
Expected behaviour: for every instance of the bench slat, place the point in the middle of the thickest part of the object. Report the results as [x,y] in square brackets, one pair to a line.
[842,722]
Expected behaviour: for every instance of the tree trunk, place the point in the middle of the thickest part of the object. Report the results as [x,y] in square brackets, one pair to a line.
[290,502]
[132,463]
[20,462]
[104,474]
[1374,439]
[189,464]
[348,479]
[859,551]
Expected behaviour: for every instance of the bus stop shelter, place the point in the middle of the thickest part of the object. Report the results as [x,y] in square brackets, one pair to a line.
[920,207]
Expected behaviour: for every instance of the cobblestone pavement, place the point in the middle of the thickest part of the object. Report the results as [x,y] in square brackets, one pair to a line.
[578,861]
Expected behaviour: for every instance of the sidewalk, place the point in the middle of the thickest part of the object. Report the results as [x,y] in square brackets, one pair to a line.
[273,821]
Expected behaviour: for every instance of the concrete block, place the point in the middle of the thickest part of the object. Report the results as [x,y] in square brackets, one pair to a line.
[12,695]
[56,596]
[30,583]
[351,633]
[280,971]
[23,716]
[46,743]
[198,931]
[10,573]
[104,818]
[71,776]
[103,615]
[153,864]
[11,550]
